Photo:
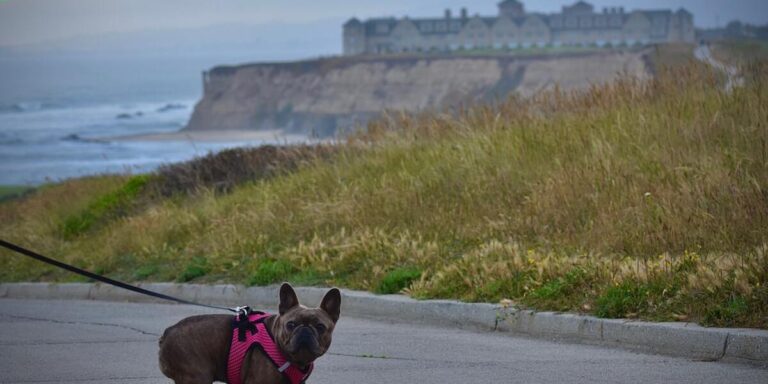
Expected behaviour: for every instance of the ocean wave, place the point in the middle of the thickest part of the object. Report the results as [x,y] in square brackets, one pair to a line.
[10,140]
[120,109]
[74,137]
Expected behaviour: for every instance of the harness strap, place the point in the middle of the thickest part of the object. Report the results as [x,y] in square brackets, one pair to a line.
[243,324]
[258,337]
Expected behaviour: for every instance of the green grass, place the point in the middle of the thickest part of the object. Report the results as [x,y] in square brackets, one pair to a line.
[9,192]
[112,204]
[197,267]
[398,279]
[639,198]
[562,292]
[728,313]
[272,271]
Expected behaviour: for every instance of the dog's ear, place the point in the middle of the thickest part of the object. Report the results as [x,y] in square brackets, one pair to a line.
[288,298]
[332,304]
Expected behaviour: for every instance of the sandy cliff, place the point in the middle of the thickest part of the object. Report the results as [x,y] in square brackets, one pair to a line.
[322,95]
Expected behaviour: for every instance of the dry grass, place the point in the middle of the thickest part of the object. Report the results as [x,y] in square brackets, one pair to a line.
[741,51]
[640,199]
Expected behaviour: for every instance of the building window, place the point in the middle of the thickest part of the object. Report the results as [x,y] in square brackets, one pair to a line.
[600,22]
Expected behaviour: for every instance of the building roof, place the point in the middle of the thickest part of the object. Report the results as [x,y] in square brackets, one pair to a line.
[597,21]
[371,26]
[383,27]
[352,22]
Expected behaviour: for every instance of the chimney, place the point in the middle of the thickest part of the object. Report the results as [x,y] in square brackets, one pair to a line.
[448,14]
[464,14]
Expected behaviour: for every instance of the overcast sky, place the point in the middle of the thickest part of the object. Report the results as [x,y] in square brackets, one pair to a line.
[31,21]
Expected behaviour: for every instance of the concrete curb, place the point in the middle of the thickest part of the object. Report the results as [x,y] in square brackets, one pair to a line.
[675,339]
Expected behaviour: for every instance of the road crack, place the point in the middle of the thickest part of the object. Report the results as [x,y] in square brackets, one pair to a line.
[17,317]
[371,356]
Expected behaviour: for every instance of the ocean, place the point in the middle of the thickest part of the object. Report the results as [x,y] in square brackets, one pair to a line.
[55,113]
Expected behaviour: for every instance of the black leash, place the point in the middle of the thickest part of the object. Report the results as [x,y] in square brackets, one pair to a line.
[107,280]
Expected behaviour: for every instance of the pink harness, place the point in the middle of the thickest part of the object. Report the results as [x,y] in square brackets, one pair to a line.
[253,333]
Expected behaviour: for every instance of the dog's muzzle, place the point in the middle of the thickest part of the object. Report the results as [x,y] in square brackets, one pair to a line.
[305,338]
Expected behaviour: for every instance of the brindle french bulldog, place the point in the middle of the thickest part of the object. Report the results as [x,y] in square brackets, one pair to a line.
[194,351]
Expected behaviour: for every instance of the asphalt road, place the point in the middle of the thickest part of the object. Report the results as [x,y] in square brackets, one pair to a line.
[101,342]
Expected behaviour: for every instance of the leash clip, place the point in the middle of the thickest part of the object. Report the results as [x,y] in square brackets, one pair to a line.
[242,311]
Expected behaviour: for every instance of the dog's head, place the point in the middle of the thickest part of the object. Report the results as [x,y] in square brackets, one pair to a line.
[304,334]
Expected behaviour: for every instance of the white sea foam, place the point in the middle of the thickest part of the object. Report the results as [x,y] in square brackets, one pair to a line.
[41,144]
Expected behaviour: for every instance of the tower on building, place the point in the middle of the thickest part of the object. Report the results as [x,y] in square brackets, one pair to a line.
[512,9]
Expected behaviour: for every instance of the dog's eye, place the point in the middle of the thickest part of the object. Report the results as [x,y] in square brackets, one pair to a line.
[320,328]
[290,325]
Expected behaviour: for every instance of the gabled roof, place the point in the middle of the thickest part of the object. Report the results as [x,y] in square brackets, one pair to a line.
[370,26]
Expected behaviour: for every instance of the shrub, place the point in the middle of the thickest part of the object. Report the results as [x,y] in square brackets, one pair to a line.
[398,279]
[198,267]
[727,314]
[224,170]
[626,299]
[272,271]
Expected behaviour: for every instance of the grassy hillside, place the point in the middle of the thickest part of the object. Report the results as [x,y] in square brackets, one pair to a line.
[8,192]
[740,51]
[636,199]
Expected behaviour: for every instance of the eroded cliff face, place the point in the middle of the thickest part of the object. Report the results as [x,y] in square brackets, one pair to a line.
[321,96]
